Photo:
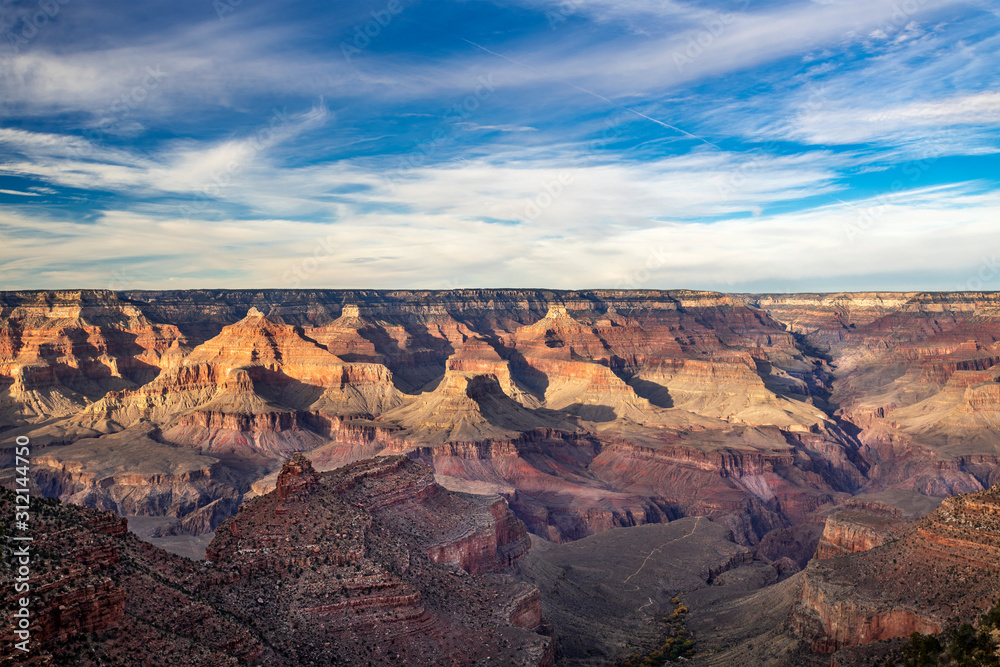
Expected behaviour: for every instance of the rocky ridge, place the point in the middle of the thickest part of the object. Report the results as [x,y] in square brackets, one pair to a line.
[372,563]
[923,576]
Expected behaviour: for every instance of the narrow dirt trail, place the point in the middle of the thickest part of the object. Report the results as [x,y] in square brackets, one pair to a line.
[697,521]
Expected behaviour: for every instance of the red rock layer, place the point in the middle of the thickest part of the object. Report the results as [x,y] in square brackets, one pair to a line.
[330,568]
[491,546]
[941,570]
[85,343]
[371,502]
[74,595]
[297,478]
[849,623]
[776,376]
[851,532]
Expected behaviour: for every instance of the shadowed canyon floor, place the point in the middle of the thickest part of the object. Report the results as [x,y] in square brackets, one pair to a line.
[786,426]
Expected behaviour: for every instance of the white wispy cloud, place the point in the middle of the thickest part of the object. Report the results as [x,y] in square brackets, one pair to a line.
[703,183]
[926,120]
[930,96]
[182,167]
[944,231]
[741,40]
[208,65]
[221,63]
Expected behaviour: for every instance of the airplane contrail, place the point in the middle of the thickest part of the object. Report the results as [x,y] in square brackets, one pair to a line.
[597,95]
[846,203]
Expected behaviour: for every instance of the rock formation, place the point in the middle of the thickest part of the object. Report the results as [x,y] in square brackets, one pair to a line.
[297,478]
[932,574]
[800,424]
[372,564]
[888,565]
[587,410]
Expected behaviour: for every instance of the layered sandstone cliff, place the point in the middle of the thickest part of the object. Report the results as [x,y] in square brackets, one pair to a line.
[556,399]
[932,574]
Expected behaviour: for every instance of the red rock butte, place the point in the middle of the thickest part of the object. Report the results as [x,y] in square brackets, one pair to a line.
[297,478]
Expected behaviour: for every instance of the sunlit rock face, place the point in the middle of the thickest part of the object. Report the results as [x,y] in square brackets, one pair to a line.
[879,577]
[585,410]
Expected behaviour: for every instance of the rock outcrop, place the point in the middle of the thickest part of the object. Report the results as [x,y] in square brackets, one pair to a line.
[400,547]
[336,568]
[61,350]
[851,532]
[297,478]
[933,574]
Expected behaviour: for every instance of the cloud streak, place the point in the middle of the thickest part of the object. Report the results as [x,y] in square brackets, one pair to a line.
[549,143]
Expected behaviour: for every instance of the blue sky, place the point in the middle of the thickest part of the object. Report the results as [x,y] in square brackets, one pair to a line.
[736,145]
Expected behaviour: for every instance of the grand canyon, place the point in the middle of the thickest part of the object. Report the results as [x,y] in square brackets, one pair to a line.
[508,477]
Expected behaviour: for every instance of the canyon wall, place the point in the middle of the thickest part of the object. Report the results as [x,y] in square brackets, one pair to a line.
[370,564]
[586,410]
[878,576]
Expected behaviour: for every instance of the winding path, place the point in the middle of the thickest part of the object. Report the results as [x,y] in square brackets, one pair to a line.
[660,548]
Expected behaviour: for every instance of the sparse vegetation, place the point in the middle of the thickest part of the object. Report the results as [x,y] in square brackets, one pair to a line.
[678,643]
[965,646]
